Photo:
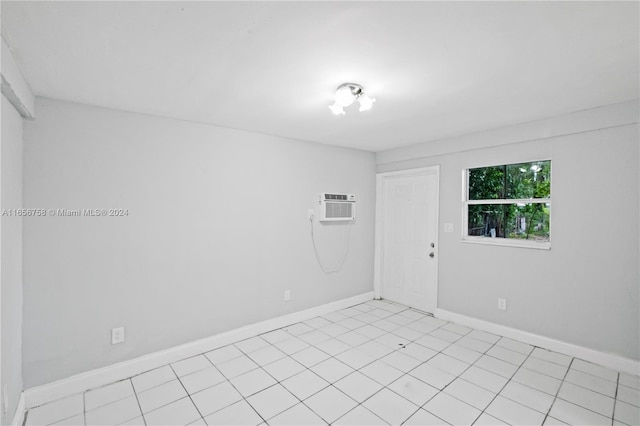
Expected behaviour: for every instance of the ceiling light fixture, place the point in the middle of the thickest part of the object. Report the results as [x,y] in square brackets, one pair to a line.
[347,94]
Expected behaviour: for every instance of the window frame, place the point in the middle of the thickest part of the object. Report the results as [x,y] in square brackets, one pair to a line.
[507,242]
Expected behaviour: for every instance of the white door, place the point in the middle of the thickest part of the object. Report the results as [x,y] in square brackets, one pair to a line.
[406,238]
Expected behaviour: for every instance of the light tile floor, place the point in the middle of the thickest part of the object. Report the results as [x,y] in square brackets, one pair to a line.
[376,363]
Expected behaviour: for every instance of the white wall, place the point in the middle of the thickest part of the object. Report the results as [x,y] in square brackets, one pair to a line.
[585,289]
[217,230]
[11,271]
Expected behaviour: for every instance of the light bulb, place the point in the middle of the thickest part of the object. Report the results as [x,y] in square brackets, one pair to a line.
[336,109]
[344,96]
[365,102]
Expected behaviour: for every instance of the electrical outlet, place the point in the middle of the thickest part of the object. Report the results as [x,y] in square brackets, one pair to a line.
[117,335]
[310,214]
[287,295]
[448,227]
[502,304]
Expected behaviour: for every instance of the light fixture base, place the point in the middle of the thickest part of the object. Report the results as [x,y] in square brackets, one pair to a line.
[356,89]
[347,94]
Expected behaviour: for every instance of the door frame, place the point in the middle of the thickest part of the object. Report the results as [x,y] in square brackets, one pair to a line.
[378,289]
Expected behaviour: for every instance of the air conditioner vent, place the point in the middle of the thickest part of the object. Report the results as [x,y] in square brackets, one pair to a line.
[338,210]
[334,207]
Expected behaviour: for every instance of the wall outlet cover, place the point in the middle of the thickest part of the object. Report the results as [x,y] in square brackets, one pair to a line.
[502,304]
[117,335]
[287,295]
[448,227]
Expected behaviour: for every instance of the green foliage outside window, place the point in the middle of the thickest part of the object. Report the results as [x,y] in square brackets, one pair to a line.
[528,184]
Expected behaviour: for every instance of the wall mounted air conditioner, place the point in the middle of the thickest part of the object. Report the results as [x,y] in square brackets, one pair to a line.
[335,207]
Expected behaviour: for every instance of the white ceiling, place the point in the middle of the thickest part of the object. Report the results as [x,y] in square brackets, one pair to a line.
[437,69]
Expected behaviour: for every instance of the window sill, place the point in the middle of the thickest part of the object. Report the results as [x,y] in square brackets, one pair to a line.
[542,245]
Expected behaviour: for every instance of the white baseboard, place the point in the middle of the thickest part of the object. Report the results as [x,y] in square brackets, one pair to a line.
[99,377]
[18,417]
[615,362]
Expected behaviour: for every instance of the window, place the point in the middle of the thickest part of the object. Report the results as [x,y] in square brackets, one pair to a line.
[509,204]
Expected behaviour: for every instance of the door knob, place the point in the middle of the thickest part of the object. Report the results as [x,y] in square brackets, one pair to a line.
[432,255]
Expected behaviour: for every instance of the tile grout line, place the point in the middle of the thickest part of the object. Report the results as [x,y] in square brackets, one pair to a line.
[159,384]
[110,402]
[555,397]
[562,381]
[228,379]
[510,379]
[424,362]
[483,411]
[459,376]
[274,378]
[615,399]
[590,390]
[137,400]
[278,381]
[369,339]
[595,377]
[185,389]
[521,366]
[404,373]
[412,369]
[358,404]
